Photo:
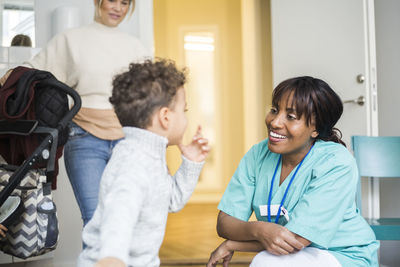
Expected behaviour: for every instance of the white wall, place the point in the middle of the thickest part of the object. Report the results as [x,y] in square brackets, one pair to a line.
[140,24]
[387,22]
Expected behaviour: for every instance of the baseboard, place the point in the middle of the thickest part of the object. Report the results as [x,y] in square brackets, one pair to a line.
[51,263]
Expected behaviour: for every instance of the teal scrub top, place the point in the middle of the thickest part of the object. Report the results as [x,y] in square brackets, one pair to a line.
[320,201]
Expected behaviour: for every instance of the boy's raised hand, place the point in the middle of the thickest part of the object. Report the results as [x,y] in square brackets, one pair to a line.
[198,149]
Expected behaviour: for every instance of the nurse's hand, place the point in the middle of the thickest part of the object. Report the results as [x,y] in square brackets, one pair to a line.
[276,239]
[223,252]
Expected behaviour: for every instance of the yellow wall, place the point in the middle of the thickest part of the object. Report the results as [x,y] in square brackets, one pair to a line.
[170,15]
[266,53]
[257,68]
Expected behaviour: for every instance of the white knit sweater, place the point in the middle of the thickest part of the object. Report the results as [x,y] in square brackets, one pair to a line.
[136,194]
[87,58]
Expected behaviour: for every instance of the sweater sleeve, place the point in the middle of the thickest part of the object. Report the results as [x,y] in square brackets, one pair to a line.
[183,183]
[122,206]
[53,58]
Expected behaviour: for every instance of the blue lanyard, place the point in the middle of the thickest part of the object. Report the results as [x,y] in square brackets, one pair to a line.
[287,188]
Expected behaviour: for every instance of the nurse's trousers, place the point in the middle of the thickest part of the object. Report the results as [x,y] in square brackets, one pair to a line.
[307,257]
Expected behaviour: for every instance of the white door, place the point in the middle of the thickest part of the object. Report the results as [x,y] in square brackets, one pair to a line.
[333,40]
[330,40]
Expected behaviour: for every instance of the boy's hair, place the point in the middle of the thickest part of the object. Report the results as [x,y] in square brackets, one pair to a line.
[144,88]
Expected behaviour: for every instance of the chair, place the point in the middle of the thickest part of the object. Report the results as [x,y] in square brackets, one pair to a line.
[379,157]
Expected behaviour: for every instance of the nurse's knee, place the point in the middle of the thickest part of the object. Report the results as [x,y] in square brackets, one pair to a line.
[265,259]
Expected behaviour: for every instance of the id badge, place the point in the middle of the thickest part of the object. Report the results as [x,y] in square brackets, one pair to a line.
[274,212]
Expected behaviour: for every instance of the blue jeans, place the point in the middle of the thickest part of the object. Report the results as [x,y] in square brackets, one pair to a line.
[85,158]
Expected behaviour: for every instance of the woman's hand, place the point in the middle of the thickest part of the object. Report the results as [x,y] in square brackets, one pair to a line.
[221,252]
[277,239]
[109,262]
[3,230]
[5,77]
[198,149]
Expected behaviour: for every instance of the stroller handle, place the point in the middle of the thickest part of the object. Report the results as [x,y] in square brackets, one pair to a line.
[18,175]
[75,97]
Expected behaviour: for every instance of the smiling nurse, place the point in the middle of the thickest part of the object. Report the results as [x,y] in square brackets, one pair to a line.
[301,184]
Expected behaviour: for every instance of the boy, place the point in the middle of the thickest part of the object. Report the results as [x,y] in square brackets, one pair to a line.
[136,191]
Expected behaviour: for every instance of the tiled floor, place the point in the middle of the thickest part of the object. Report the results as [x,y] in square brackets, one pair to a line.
[191,237]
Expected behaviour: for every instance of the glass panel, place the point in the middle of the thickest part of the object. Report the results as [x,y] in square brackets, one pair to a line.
[17,17]
[19,54]
[3,54]
[199,53]
[3,60]
[11,57]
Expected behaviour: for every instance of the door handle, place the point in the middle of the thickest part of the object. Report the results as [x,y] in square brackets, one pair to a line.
[360,101]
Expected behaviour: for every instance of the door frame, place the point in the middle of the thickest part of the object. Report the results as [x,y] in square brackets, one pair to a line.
[370,55]
[373,202]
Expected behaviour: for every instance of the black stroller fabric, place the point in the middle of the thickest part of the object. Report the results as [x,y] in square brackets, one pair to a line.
[30,94]
[29,160]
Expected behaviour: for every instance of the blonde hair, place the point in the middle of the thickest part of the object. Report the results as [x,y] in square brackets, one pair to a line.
[100,2]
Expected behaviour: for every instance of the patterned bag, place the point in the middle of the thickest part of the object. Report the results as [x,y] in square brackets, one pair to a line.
[35,231]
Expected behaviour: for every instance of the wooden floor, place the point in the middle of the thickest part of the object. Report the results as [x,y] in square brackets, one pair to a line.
[191,237]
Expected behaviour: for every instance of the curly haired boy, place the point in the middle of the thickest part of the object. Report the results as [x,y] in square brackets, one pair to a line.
[136,191]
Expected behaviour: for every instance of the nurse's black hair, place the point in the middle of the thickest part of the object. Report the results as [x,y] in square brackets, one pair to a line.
[316,100]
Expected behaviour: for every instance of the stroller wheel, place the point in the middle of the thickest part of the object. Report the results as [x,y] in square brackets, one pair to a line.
[10,210]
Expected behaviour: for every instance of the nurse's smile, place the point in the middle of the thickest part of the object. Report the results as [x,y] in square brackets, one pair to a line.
[275,137]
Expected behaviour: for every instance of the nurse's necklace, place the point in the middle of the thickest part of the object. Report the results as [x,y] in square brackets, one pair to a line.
[287,188]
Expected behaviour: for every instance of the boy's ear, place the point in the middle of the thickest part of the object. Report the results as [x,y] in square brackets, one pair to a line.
[163,116]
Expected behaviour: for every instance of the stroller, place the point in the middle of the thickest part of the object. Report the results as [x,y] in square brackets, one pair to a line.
[34,114]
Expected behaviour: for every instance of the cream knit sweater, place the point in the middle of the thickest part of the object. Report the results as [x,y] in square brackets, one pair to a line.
[87,59]
[136,193]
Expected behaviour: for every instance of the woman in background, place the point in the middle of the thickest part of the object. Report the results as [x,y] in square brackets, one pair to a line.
[86,59]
